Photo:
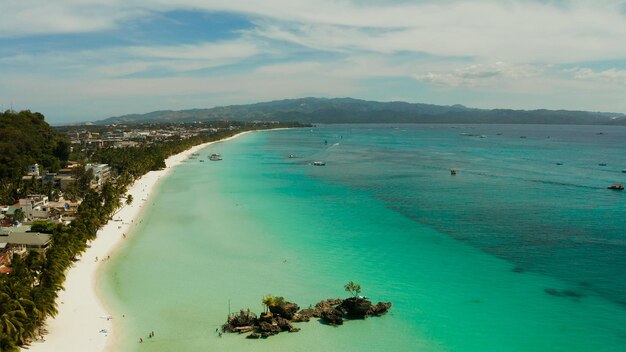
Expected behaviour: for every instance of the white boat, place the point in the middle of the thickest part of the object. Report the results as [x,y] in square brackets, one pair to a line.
[215,157]
[319,163]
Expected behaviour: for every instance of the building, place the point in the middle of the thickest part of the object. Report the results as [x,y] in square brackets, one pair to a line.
[14,243]
[101,173]
[35,207]
[33,170]
[28,240]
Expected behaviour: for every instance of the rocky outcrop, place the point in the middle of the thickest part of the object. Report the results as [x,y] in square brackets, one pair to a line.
[303,316]
[356,307]
[327,304]
[285,310]
[332,316]
[267,329]
[280,317]
[380,308]
[238,322]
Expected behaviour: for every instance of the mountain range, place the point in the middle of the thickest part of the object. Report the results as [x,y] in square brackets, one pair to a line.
[349,110]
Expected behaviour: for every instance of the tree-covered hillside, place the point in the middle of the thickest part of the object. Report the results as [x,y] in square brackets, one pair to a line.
[25,139]
[348,110]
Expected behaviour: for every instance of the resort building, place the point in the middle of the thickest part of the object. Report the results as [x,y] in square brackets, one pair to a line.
[18,240]
[35,207]
[14,243]
[61,180]
[101,173]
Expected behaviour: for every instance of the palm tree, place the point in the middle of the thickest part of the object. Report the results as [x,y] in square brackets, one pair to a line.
[268,301]
[353,288]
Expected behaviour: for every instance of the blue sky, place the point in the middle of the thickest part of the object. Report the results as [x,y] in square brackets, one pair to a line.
[82,60]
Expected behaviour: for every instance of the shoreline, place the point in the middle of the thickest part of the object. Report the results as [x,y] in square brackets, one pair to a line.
[83,322]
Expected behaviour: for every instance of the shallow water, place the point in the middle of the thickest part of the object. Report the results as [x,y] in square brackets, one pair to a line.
[386,213]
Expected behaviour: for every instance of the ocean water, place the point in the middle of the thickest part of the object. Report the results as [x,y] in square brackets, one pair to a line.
[523,250]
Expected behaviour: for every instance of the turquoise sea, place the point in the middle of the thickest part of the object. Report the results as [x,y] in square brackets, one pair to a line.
[523,250]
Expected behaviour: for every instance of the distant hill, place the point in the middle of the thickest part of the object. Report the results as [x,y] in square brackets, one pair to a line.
[348,110]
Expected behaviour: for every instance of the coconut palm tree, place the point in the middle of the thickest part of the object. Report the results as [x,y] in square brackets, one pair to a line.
[267,301]
[353,288]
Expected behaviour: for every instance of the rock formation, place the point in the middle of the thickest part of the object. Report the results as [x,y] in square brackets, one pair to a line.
[280,316]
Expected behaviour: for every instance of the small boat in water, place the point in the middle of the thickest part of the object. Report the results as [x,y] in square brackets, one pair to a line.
[602,164]
[616,186]
[319,163]
[215,157]
[453,171]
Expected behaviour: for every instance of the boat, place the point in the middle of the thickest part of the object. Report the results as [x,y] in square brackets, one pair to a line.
[291,156]
[624,171]
[616,186]
[201,160]
[215,157]
[319,163]
[602,164]
[453,171]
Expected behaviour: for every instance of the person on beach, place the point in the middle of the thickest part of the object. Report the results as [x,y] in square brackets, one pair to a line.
[140,340]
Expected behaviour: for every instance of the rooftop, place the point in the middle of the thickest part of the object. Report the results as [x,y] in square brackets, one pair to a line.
[25,238]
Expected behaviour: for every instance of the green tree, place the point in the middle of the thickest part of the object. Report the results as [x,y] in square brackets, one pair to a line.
[268,301]
[353,288]
[18,215]
[129,199]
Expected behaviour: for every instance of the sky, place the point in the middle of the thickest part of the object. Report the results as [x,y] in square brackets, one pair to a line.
[84,60]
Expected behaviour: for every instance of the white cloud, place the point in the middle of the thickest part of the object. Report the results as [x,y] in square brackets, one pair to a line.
[480,74]
[326,48]
[611,74]
[511,30]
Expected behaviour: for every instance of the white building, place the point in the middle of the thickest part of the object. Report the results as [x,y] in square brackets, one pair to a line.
[101,173]
[33,170]
[35,207]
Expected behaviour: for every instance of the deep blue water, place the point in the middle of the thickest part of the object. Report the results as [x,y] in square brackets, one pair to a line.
[510,198]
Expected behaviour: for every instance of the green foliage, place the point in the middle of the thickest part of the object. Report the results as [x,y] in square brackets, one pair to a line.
[43,226]
[267,301]
[272,301]
[353,288]
[25,139]
[18,215]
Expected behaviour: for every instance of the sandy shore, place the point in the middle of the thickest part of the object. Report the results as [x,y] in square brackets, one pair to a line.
[83,324]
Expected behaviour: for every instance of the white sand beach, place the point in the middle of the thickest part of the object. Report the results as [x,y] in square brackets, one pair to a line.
[83,323]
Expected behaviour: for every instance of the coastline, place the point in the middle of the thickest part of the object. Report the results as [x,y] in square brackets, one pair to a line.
[83,322]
